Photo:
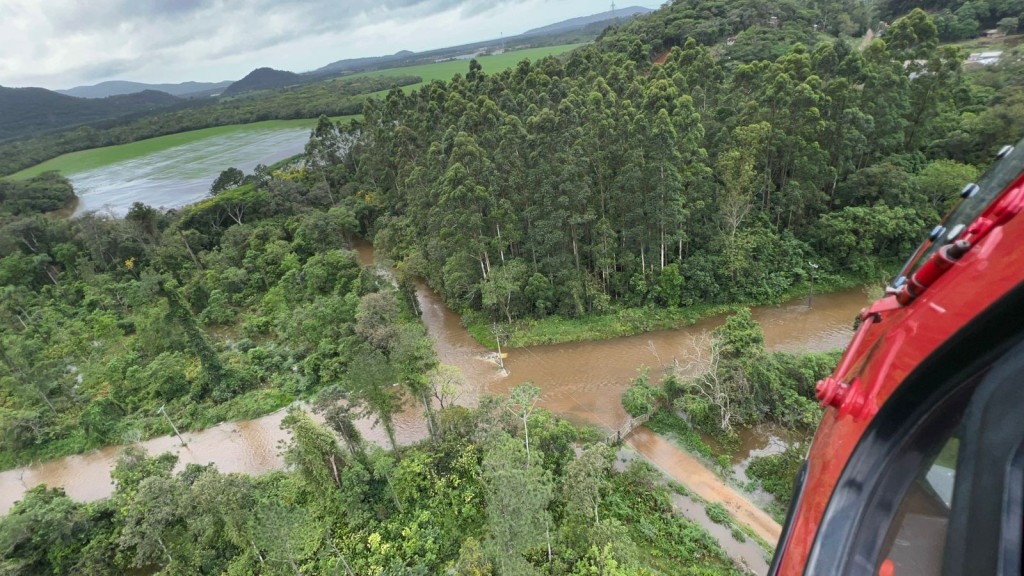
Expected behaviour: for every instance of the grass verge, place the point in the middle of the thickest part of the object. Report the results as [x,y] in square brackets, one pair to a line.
[627,321]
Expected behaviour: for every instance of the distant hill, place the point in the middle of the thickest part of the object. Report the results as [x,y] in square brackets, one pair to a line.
[25,111]
[369,63]
[584,21]
[118,87]
[583,29]
[263,79]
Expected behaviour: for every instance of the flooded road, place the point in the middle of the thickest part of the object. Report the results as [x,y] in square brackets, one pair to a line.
[580,381]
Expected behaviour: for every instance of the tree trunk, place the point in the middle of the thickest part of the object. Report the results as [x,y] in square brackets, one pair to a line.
[257,550]
[389,427]
[526,430]
[334,471]
[193,254]
[47,400]
[164,547]
[428,410]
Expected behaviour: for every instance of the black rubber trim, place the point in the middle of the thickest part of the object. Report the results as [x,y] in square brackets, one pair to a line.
[985,523]
[794,504]
[845,538]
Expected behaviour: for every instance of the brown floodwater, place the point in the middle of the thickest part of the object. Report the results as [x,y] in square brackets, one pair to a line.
[580,381]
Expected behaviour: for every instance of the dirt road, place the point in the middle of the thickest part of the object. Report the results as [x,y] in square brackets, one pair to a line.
[689,471]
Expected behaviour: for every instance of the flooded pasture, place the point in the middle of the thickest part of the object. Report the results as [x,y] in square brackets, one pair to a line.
[183,174]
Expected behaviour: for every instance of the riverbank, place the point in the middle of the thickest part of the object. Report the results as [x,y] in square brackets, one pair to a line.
[732,461]
[250,405]
[65,211]
[631,321]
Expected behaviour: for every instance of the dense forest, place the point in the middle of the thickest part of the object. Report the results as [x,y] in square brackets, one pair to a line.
[235,307]
[599,184]
[580,186]
[962,19]
[44,193]
[358,510]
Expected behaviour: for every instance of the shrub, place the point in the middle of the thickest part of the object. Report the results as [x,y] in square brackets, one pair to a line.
[718,514]
[777,472]
[641,398]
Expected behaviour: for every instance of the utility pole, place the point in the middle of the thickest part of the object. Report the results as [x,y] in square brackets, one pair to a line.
[810,297]
[173,427]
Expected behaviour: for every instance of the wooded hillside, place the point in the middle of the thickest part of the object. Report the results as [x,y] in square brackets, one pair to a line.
[582,185]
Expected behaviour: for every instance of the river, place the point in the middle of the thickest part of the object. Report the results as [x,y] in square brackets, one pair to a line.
[580,381]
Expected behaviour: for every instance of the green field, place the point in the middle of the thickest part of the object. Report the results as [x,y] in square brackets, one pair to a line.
[445,70]
[991,44]
[83,160]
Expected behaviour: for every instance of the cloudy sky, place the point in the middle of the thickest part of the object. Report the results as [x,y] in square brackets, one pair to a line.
[66,43]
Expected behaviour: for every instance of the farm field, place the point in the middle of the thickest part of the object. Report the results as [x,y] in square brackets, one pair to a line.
[172,171]
[85,160]
[445,70]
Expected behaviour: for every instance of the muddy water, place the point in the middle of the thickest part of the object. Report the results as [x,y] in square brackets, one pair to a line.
[580,381]
[583,381]
[245,446]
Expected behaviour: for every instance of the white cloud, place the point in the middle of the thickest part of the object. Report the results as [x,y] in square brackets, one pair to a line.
[63,43]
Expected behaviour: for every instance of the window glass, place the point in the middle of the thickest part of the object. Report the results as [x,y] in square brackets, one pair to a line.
[915,542]
[990,185]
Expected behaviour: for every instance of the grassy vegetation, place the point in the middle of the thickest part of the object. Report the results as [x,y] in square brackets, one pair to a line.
[991,44]
[627,321]
[666,423]
[638,500]
[83,160]
[740,531]
[445,70]
[247,406]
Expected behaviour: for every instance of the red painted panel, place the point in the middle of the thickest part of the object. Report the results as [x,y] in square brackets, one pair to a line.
[892,347]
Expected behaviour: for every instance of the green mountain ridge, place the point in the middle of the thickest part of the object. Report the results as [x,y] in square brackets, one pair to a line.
[118,87]
[263,79]
[26,111]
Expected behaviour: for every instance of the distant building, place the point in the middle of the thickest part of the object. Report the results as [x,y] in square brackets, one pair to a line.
[730,40]
[985,58]
[994,33]
[919,68]
[773,21]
